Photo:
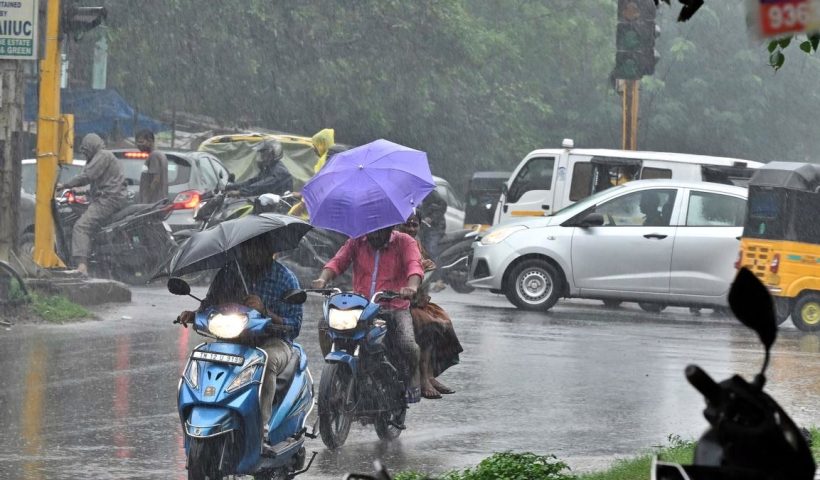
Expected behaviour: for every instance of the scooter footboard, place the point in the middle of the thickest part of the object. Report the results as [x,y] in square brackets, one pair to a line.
[204,422]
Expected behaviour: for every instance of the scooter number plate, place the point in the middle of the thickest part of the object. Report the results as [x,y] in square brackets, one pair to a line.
[218,357]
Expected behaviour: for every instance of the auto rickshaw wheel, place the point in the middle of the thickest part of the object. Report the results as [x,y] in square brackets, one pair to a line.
[806,312]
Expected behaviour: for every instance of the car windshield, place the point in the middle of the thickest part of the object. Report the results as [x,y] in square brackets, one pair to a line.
[586,203]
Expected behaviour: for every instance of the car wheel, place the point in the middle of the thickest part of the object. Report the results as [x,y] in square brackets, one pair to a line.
[534,285]
[806,312]
[782,309]
[612,303]
[652,307]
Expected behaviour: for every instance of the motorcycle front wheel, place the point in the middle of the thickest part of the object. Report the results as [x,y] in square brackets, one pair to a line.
[390,423]
[335,412]
[203,458]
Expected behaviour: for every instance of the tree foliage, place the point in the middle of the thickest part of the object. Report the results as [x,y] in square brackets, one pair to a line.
[475,84]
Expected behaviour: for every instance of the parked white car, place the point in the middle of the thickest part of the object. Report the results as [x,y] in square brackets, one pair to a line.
[656,242]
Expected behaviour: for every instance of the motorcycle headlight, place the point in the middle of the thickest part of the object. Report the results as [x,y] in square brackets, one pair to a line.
[344,319]
[228,325]
[501,234]
[192,374]
[242,379]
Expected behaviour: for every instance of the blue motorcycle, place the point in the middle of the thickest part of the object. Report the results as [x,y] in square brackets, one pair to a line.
[220,392]
[359,379]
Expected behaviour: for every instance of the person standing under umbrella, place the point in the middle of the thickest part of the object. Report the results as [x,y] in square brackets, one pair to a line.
[386,260]
[258,281]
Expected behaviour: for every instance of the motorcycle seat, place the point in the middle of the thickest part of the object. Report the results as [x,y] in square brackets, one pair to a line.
[284,379]
[130,210]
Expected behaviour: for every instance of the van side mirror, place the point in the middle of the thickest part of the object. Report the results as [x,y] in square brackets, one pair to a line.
[231,178]
[592,220]
[504,189]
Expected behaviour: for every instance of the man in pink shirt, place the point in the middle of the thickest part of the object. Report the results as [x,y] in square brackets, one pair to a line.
[385,260]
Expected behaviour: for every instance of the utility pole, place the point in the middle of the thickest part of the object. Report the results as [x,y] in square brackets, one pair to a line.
[18,42]
[630,96]
[48,141]
[11,126]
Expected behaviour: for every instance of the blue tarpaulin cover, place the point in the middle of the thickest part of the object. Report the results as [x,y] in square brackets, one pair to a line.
[95,111]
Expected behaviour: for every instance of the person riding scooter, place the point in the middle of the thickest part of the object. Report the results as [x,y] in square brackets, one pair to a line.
[385,260]
[259,282]
[273,176]
[108,195]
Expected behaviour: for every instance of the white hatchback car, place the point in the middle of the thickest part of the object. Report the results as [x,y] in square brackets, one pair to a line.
[655,242]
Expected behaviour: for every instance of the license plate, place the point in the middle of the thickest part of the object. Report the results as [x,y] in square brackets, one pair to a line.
[218,357]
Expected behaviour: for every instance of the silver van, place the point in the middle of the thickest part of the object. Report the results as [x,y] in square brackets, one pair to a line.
[548,180]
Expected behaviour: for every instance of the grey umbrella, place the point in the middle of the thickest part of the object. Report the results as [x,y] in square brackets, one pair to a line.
[216,247]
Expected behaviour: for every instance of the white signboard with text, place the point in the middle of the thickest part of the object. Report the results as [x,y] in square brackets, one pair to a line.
[18,29]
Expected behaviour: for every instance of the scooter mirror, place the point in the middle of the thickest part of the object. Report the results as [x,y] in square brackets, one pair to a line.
[751,303]
[178,286]
[295,297]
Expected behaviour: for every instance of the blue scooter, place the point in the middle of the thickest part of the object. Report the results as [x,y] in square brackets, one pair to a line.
[359,380]
[220,392]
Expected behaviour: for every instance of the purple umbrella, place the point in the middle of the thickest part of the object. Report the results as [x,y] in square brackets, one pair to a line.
[368,188]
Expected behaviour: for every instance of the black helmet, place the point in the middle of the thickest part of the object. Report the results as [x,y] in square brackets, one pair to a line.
[270,146]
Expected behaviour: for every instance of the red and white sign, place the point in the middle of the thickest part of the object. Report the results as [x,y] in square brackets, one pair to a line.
[776,18]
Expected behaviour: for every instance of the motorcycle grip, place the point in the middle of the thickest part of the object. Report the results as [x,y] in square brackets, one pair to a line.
[703,383]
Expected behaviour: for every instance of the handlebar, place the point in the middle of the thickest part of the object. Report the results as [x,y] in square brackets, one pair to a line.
[323,291]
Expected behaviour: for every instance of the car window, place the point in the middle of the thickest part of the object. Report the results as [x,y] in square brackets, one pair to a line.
[206,172]
[650,173]
[449,196]
[535,175]
[713,209]
[647,208]
[599,174]
[179,171]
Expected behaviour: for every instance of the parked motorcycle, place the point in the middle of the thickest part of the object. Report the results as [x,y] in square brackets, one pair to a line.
[219,395]
[131,247]
[359,380]
[453,262]
[751,437]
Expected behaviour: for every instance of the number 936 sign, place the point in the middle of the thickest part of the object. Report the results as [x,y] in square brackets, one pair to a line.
[774,18]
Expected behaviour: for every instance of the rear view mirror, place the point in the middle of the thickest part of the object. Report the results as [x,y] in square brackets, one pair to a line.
[178,286]
[592,220]
[295,297]
[504,189]
[231,178]
[752,304]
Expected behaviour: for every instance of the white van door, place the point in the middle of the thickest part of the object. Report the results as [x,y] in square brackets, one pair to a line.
[531,192]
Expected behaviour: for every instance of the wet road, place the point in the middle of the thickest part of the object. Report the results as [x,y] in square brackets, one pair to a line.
[97,399]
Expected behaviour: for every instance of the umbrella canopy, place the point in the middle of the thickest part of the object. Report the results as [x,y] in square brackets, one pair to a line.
[368,188]
[216,247]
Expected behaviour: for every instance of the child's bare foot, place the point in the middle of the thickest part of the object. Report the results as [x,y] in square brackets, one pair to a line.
[442,388]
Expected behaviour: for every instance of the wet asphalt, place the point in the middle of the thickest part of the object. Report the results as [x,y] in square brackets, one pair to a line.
[588,384]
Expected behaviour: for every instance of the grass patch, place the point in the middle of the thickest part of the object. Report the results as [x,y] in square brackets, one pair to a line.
[57,309]
[524,466]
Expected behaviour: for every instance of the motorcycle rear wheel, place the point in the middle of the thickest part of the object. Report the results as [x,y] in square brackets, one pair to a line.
[334,404]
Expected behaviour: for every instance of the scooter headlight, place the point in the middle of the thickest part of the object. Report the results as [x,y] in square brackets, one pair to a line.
[228,325]
[344,319]
[192,374]
[242,379]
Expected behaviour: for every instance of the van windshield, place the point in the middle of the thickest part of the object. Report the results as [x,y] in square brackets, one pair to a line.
[586,203]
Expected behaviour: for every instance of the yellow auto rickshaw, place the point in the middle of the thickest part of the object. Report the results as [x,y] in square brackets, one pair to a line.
[781,239]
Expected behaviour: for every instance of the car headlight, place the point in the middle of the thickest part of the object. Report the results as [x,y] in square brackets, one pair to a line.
[344,319]
[192,375]
[242,379]
[501,234]
[228,325]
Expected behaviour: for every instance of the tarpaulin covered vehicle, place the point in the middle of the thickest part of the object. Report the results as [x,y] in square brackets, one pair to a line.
[237,154]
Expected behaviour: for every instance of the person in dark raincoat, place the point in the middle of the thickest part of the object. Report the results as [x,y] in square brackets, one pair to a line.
[108,195]
[273,176]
